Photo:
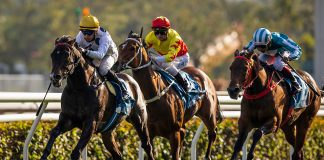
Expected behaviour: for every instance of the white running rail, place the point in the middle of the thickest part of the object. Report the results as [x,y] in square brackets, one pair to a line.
[229,107]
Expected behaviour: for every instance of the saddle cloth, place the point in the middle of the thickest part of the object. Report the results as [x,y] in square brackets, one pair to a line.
[300,99]
[123,106]
[189,98]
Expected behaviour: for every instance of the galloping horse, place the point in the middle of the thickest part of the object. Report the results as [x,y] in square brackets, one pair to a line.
[266,102]
[87,103]
[166,113]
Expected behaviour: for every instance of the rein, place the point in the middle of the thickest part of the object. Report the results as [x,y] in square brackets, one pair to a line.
[248,84]
[139,51]
[140,66]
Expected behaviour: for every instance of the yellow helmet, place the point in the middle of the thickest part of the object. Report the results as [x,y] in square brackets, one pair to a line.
[89,23]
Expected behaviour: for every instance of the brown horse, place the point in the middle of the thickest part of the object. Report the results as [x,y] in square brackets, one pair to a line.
[87,103]
[166,113]
[265,104]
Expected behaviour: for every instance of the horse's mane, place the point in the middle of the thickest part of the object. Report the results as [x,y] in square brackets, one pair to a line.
[133,35]
[65,39]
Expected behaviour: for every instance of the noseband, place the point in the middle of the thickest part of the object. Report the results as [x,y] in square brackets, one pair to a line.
[139,51]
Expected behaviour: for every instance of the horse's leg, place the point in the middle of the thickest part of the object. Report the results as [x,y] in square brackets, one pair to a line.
[109,141]
[182,136]
[63,125]
[139,122]
[302,127]
[175,141]
[289,131]
[87,131]
[211,126]
[265,129]
[244,129]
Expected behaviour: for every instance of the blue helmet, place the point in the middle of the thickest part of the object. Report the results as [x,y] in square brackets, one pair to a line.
[261,36]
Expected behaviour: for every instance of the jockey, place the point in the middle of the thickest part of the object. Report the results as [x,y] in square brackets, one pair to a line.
[95,42]
[167,49]
[271,44]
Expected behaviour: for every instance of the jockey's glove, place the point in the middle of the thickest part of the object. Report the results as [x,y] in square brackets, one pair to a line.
[285,56]
[84,52]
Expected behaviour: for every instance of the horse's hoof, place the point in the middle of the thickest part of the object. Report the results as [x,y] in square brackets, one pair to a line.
[250,157]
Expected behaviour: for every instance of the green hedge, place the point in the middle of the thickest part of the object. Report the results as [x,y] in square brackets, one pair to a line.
[12,137]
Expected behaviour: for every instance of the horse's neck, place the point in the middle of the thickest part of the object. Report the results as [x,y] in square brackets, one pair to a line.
[260,83]
[148,80]
[80,77]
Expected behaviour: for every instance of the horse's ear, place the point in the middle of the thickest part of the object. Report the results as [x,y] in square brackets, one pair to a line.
[130,33]
[236,53]
[141,34]
[56,40]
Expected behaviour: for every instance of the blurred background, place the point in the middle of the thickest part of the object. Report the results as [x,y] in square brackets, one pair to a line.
[213,30]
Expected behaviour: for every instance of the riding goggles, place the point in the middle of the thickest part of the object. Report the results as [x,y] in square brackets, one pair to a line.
[261,46]
[87,32]
[160,31]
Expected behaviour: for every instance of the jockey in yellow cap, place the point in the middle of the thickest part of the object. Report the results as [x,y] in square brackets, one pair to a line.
[97,44]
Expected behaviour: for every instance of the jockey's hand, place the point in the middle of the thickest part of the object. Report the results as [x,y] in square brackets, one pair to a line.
[244,52]
[84,52]
[285,56]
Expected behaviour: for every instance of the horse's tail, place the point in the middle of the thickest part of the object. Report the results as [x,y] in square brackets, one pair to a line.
[219,116]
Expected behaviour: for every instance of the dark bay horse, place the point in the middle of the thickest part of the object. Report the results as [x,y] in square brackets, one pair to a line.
[266,103]
[166,113]
[86,102]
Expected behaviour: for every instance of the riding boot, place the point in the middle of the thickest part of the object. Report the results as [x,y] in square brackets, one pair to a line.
[287,73]
[111,76]
[183,82]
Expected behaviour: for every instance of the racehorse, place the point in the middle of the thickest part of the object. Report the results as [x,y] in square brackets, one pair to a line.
[166,113]
[266,103]
[87,103]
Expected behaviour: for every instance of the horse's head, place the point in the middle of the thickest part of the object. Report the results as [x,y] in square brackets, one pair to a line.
[132,54]
[65,57]
[241,73]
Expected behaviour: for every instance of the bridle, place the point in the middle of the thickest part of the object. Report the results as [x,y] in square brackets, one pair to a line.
[74,64]
[247,83]
[139,51]
[140,66]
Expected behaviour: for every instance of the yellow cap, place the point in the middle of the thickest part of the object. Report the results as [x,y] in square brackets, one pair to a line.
[89,23]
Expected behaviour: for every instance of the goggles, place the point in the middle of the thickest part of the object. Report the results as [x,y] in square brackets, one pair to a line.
[87,32]
[261,46]
[158,31]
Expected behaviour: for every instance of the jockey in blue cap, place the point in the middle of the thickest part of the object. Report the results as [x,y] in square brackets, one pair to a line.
[271,44]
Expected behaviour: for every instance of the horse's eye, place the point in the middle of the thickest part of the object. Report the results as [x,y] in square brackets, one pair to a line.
[132,48]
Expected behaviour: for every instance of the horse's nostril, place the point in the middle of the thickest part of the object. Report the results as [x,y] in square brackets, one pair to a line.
[236,89]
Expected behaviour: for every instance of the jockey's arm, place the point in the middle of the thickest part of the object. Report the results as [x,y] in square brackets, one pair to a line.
[174,49]
[104,44]
[290,46]
[250,46]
